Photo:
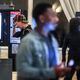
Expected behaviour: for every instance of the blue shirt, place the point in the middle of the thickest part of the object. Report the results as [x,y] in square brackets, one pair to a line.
[51,53]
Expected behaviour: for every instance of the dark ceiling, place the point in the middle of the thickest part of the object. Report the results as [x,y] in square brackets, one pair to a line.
[48,1]
[23,4]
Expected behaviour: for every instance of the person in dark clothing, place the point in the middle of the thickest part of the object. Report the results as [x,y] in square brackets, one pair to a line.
[59,34]
[21,22]
[72,41]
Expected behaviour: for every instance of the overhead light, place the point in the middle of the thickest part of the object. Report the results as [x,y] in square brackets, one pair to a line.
[54,6]
[58,9]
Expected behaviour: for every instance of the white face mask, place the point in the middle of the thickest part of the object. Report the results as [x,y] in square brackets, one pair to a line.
[49,27]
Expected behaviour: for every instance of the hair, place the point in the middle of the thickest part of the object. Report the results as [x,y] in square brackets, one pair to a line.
[40,9]
[74,25]
[20,18]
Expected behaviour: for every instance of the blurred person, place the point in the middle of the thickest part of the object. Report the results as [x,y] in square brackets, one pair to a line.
[38,56]
[72,41]
[59,34]
[21,22]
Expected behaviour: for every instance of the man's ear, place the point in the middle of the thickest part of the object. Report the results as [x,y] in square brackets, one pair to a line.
[41,18]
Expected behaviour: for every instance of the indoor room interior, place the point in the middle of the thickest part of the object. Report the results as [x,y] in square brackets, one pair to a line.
[66,9]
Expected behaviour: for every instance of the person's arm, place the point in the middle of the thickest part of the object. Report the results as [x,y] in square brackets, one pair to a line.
[65,45]
[25,59]
[17,34]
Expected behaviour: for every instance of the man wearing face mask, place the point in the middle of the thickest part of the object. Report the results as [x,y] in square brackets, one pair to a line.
[38,56]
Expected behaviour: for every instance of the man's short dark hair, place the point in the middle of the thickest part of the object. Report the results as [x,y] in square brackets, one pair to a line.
[40,9]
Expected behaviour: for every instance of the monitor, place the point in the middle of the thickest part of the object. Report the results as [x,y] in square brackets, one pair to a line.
[0,25]
[14,41]
[12,27]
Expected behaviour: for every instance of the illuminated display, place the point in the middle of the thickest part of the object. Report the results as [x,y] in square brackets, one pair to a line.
[13,39]
[0,24]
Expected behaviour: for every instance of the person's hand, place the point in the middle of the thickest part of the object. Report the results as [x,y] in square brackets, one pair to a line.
[61,70]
